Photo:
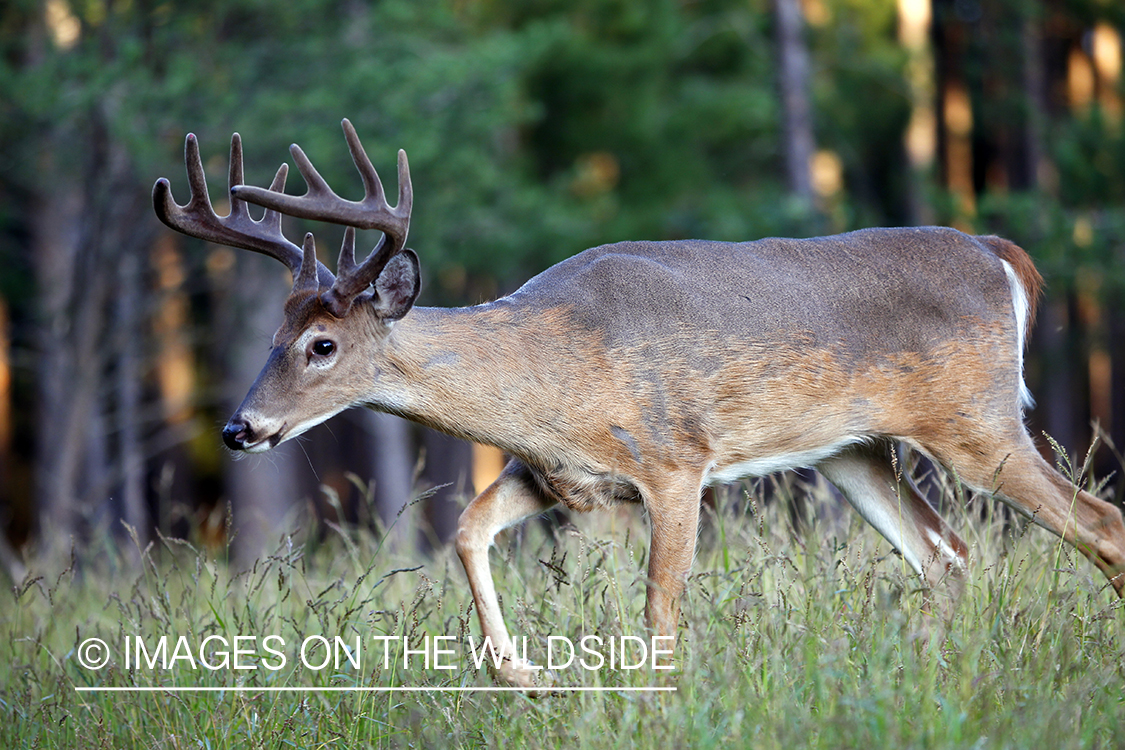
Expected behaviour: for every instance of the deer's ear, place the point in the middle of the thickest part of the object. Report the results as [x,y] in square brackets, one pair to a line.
[397,286]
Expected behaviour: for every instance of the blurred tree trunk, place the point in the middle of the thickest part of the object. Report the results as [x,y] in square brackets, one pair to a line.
[391,467]
[953,108]
[63,398]
[73,275]
[9,558]
[797,141]
[1060,402]
[131,507]
[915,34]
[449,466]
[262,490]
[1034,80]
[1116,312]
[88,239]
[125,236]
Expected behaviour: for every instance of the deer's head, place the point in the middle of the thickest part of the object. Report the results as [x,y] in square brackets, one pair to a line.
[317,366]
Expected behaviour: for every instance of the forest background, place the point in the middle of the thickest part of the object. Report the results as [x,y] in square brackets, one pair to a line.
[535,129]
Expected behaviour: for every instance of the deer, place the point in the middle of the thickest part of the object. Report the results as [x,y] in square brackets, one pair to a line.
[643,372]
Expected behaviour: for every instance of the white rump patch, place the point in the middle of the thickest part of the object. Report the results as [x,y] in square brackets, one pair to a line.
[1022,307]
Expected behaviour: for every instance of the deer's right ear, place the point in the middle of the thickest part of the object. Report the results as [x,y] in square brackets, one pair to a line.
[397,286]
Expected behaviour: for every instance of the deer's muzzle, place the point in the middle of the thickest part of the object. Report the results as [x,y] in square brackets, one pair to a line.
[237,434]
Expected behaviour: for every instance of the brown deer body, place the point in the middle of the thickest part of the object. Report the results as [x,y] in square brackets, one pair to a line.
[645,371]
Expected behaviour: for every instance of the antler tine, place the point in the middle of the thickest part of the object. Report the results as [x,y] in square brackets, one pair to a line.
[346,264]
[353,282]
[372,185]
[318,186]
[235,175]
[197,181]
[277,186]
[405,189]
[323,204]
[306,280]
[197,218]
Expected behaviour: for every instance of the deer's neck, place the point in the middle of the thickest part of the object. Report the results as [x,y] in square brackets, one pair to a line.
[479,373]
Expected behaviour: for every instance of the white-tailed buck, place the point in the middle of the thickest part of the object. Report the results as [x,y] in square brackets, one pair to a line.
[644,371]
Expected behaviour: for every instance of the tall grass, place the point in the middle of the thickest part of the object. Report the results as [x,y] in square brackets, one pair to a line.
[810,639]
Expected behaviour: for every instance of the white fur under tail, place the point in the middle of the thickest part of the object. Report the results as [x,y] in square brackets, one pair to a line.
[1022,306]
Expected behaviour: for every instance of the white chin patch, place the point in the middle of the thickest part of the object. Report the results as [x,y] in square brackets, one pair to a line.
[302,427]
[260,447]
[285,432]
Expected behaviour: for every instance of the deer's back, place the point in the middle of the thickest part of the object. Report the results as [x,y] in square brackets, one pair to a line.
[860,294]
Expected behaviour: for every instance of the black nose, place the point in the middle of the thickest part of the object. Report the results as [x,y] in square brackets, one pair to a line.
[236,434]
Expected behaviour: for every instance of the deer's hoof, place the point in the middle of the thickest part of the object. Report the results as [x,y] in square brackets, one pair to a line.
[522,673]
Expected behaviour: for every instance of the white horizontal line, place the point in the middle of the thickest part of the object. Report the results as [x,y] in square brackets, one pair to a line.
[398,689]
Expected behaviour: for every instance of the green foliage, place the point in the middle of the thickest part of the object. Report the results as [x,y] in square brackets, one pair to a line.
[1081,234]
[658,118]
[409,75]
[1090,155]
[862,104]
[534,129]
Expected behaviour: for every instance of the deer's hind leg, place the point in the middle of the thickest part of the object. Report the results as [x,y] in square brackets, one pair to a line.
[890,502]
[513,497]
[1014,472]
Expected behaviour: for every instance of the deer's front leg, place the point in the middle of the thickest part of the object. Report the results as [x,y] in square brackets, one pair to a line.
[507,501]
[674,527]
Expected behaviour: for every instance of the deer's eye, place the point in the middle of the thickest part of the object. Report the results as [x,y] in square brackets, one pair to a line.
[323,348]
